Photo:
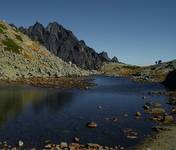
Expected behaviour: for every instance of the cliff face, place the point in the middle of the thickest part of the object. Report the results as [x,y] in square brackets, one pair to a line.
[65,45]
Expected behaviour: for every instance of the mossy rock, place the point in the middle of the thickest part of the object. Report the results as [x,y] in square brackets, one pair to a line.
[11,46]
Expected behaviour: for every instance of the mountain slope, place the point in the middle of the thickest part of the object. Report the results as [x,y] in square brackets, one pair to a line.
[154,73]
[20,57]
[65,45]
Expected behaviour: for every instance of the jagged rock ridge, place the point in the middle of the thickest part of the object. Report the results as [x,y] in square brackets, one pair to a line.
[65,45]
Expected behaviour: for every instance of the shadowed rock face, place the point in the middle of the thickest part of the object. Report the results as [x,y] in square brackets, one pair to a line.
[114,59]
[170,80]
[65,45]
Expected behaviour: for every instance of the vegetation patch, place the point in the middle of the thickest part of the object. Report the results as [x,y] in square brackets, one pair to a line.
[11,46]
[1,31]
[131,67]
[18,37]
[3,27]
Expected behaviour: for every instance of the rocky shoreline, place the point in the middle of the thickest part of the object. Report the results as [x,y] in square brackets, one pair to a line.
[164,134]
[54,82]
[60,146]
[162,140]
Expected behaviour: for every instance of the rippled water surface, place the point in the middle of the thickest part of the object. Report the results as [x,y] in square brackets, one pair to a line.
[35,115]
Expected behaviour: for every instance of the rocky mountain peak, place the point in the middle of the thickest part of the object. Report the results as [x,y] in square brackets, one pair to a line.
[64,44]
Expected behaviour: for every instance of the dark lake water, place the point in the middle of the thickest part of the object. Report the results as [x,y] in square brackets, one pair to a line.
[35,115]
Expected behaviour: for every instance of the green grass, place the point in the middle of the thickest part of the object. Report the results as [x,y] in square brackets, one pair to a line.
[3,26]
[131,67]
[1,31]
[18,37]
[11,46]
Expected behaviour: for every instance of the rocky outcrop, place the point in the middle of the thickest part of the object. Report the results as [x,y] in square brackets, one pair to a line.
[63,43]
[115,59]
[170,80]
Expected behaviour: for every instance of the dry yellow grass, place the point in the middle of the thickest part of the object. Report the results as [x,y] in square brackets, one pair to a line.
[119,69]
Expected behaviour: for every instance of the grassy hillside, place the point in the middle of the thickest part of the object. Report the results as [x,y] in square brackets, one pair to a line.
[155,73]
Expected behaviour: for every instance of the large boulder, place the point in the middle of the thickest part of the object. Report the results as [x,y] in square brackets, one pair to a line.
[64,44]
[170,80]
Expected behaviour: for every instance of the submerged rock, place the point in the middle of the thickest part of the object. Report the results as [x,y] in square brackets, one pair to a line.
[138,114]
[92,125]
[114,119]
[157,111]
[130,134]
[125,115]
[76,139]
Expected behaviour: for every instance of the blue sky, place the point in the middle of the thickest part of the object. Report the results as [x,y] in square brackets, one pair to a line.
[136,31]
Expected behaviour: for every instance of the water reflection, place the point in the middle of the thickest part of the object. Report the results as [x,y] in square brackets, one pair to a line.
[14,100]
[54,101]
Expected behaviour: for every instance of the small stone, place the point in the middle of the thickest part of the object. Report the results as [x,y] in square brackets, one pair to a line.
[130,134]
[157,105]
[144,97]
[92,145]
[64,145]
[146,107]
[76,139]
[107,119]
[125,115]
[114,119]
[168,119]
[92,124]
[74,145]
[20,143]
[157,118]
[157,111]
[122,148]
[174,110]
[48,146]
[138,114]
[99,107]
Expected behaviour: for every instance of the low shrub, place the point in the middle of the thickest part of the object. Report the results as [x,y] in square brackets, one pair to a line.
[3,27]
[11,46]
[1,31]
[18,37]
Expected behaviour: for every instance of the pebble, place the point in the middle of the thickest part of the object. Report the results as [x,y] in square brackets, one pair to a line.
[138,114]
[76,139]
[125,115]
[168,119]
[144,97]
[114,119]
[92,125]
[20,143]
[64,145]
[100,107]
